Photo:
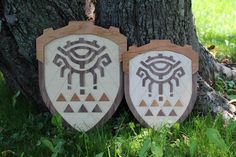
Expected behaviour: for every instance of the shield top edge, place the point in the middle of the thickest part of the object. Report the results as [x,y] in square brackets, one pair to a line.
[79,28]
[161,45]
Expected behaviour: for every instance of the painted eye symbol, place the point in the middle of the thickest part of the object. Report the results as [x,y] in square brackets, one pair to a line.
[160,70]
[90,57]
[82,51]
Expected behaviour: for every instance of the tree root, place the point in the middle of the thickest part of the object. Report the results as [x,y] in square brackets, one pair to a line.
[210,68]
[209,100]
[225,71]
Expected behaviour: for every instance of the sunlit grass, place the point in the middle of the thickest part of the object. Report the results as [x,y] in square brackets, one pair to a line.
[24,131]
[216,25]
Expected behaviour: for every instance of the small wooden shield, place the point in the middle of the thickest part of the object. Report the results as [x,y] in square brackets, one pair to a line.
[80,74]
[160,82]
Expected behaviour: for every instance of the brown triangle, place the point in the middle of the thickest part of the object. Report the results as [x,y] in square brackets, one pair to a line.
[161,113]
[97,109]
[149,113]
[61,97]
[104,97]
[142,104]
[68,109]
[179,104]
[167,103]
[90,98]
[172,113]
[75,98]
[83,109]
[154,103]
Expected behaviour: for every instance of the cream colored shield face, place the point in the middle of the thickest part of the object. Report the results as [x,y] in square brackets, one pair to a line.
[82,78]
[160,82]
[80,75]
[160,86]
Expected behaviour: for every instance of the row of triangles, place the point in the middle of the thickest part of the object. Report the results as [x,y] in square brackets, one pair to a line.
[75,97]
[166,104]
[82,109]
[161,113]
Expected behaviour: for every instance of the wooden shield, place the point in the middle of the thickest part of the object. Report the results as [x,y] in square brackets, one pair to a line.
[160,82]
[80,74]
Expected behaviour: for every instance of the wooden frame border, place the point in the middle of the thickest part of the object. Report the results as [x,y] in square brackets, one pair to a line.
[80,28]
[161,45]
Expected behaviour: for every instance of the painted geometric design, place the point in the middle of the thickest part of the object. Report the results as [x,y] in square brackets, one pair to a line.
[69,55]
[161,113]
[154,69]
[149,113]
[154,104]
[104,97]
[167,104]
[178,104]
[90,97]
[83,109]
[61,97]
[172,113]
[68,109]
[97,109]
[75,97]
[142,104]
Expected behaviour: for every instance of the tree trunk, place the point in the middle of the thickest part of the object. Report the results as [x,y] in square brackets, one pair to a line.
[139,20]
[142,21]
[22,22]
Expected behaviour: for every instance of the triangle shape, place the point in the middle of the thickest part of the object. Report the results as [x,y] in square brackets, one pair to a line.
[143,104]
[161,113]
[90,98]
[104,97]
[97,109]
[68,109]
[172,113]
[61,97]
[167,103]
[83,109]
[75,98]
[154,103]
[149,113]
[179,104]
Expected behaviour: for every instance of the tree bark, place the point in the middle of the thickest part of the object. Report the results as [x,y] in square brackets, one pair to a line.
[142,21]
[139,20]
[22,22]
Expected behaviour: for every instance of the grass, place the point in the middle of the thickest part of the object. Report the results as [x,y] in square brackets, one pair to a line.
[26,132]
[216,25]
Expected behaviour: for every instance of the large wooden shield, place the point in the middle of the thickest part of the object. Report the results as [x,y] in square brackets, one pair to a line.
[160,82]
[80,72]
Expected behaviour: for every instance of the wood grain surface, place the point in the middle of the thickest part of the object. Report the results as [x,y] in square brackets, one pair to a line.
[80,73]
